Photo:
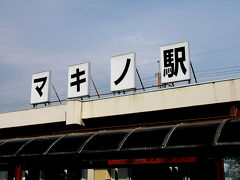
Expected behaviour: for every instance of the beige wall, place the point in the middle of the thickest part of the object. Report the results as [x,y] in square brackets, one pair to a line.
[195,95]
[33,117]
[101,174]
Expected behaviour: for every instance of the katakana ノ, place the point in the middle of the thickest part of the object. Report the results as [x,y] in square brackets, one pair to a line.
[78,81]
[123,73]
[173,58]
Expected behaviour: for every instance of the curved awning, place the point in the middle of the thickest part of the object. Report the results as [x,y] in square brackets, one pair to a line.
[185,135]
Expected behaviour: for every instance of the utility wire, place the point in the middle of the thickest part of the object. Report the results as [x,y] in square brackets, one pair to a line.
[216,51]
[148,81]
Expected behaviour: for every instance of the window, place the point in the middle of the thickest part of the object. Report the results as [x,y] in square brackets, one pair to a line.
[3,175]
[87,174]
[60,174]
[232,168]
[120,174]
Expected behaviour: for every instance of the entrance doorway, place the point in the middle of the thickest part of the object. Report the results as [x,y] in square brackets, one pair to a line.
[191,171]
[155,172]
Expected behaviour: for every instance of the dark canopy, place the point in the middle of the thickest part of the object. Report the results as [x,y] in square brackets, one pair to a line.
[180,136]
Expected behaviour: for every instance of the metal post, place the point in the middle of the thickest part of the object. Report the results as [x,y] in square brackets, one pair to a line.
[140,79]
[193,72]
[158,74]
[18,172]
[159,80]
[56,94]
[95,87]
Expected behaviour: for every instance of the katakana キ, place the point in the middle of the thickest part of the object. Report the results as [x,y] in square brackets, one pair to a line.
[78,80]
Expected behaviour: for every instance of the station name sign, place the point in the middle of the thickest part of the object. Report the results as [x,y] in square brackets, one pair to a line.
[175,62]
[79,80]
[175,66]
[40,91]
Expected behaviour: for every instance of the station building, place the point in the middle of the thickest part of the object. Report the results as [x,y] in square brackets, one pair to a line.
[187,133]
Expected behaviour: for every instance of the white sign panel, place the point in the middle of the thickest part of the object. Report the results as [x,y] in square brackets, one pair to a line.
[175,62]
[123,72]
[40,91]
[78,80]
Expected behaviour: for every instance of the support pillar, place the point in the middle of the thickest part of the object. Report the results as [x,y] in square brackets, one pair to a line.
[18,172]
[219,169]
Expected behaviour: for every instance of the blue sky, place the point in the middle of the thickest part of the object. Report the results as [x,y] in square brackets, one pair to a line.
[52,34]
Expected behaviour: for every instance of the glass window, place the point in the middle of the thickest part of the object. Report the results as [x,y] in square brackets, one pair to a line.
[232,168]
[41,175]
[120,174]
[84,174]
[63,174]
[3,175]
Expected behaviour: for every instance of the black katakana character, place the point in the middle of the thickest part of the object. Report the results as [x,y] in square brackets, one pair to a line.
[123,73]
[39,89]
[78,80]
